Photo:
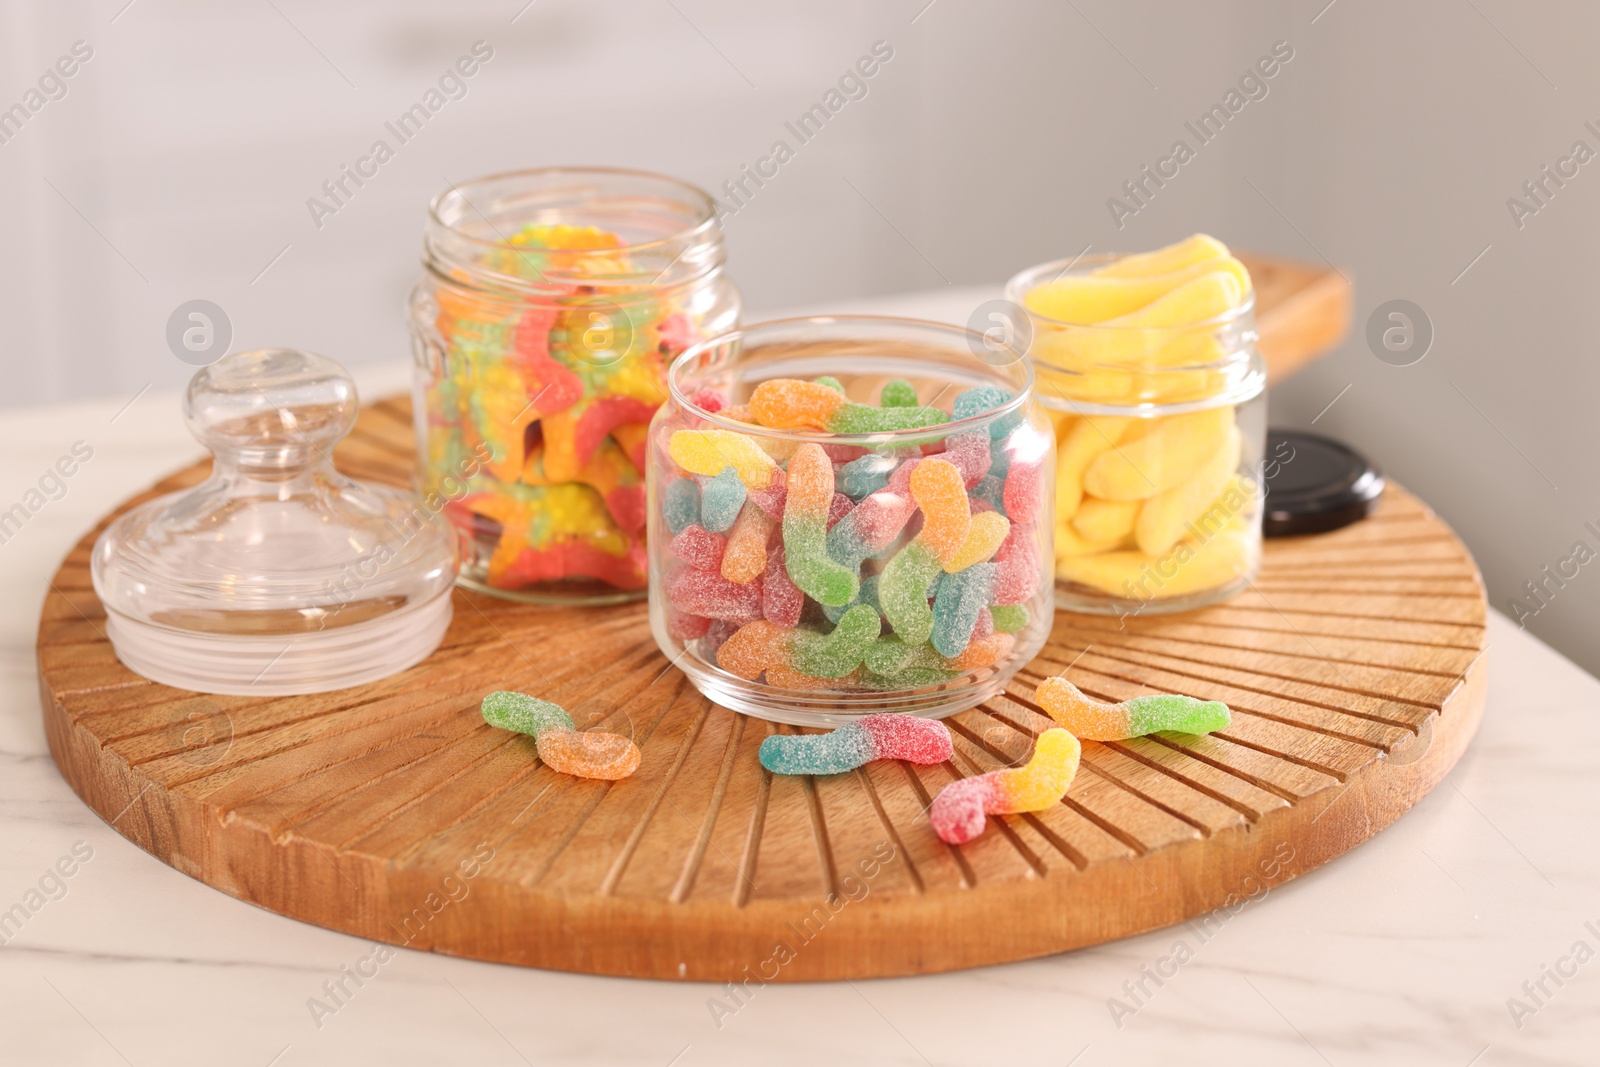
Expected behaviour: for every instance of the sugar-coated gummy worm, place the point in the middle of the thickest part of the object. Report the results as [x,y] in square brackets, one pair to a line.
[955,610]
[721,497]
[781,600]
[1136,717]
[1008,618]
[864,418]
[791,404]
[903,591]
[707,593]
[746,555]
[897,393]
[837,653]
[970,454]
[584,754]
[865,475]
[699,548]
[680,504]
[709,451]
[958,812]
[872,737]
[805,529]
[753,648]
[1018,577]
[937,488]
[868,594]
[984,537]
[869,528]
[781,677]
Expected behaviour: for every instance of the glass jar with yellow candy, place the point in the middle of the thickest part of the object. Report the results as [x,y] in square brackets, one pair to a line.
[1148,367]
[552,304]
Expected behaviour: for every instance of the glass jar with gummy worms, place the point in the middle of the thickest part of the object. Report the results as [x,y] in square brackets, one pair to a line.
[850,515]
[1148,368]
[553,302]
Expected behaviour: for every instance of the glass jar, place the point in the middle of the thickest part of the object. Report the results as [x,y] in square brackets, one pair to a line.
[850,515]
[553,302]
[1160,437]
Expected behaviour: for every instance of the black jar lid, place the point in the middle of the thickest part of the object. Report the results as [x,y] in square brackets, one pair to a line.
[1315,484]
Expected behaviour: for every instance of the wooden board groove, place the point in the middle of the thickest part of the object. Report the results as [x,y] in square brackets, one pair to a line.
[348,809]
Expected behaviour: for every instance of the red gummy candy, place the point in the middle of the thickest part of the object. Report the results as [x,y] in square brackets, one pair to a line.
[676,332]
[700,548]
[574,559]
[771,499]
[551,386]
[716,635]
[969,453]
[908,737]
[708,400]
[682,627]
[710,594]
[844,453]
[1017,577]
[983,628]
[838,508]
[627,505]
[881,517]
[602,416]
[900,480]
[1022,493]
[781,600]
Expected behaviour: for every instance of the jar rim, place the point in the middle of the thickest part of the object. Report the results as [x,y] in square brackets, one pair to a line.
[1021,395]
[688,251]
[1028,279]
[695,195]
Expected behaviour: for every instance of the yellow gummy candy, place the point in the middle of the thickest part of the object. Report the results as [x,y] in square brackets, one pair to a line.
[708,451]
[1166,516]
[1193,350]
[1070,543]
[1062,422]
[1041,783]
[1106,520]
[1166,456]
[1194,249]
[1099,387]
[1088,299]
[1132,339]
[984,536]
[1090,436]
[1188,568]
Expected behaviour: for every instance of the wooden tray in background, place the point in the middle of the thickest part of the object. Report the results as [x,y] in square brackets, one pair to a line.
[1302,311]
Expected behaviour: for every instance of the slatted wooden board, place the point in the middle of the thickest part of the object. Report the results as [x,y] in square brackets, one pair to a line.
[1354,667]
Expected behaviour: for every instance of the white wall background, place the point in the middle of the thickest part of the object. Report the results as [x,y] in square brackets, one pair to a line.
[179,163]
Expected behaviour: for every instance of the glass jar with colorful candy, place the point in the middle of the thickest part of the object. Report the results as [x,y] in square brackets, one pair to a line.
[552,304]
[1148,368]
[850,515]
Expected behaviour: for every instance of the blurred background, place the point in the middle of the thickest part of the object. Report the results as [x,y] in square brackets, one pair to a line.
[177,160]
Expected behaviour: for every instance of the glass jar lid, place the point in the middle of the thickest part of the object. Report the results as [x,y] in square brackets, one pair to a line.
[277,574]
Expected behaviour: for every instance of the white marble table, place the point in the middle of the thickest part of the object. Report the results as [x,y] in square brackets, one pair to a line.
[1405,951]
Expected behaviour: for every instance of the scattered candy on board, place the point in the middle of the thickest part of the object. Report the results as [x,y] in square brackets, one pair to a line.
[563,747]
[959,811]
[844,568]
[1096,720]
[872,737]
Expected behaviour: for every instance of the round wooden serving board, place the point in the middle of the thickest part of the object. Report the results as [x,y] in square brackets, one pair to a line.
[394,813]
